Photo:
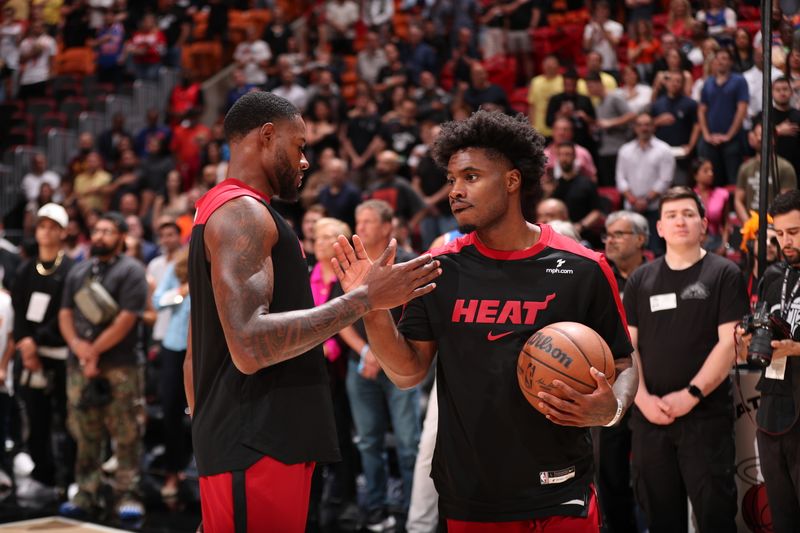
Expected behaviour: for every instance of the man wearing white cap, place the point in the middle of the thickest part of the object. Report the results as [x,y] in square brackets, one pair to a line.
[36,298]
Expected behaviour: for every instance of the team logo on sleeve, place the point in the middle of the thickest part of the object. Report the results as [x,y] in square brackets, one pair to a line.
[558,270]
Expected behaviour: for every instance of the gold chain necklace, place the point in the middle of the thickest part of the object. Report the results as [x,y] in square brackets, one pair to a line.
[47,271]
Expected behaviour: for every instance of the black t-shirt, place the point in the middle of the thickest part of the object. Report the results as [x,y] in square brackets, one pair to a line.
[493,94]
[497,458]
[684,109]
[361,130]
[399,194]
[677,313]
[520,18]
[401,138]
[433,178]
[787,145]
[780,398]
[580,195]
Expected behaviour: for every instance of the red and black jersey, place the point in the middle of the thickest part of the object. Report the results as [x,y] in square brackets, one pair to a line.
[497,458]
[283,411]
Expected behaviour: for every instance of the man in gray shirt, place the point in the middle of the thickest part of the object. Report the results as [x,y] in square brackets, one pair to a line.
[612,127]
[104,392]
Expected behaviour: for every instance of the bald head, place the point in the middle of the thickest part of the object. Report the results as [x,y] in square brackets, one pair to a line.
[387,164]
[551,209]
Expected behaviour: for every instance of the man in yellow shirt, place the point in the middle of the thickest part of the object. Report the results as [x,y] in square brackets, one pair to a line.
[90,185]
[542,87]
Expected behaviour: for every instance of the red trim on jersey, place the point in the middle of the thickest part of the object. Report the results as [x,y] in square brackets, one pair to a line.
[471,239]
[222,193]
[559,242]
[277,494]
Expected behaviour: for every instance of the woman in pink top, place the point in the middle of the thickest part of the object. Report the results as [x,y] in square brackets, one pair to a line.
[717,202]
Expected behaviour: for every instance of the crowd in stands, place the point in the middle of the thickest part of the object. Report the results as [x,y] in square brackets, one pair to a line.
[633,98]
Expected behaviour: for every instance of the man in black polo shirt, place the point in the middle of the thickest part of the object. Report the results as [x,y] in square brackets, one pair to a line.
[787,123]
[579,193]
[779,430]
[675,118]
[682,310]
[499,463]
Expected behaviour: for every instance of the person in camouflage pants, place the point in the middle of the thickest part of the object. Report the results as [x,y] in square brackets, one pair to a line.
[105,359]
[122,419]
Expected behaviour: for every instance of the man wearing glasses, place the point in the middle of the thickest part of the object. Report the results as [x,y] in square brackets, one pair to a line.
[626,234]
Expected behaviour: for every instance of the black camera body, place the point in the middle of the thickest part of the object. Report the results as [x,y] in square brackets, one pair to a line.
[765,328]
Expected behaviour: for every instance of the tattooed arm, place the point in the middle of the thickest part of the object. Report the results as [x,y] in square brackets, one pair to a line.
[239,237]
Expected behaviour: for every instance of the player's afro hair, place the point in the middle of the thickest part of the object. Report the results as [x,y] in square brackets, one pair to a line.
[253,110]
[501,135]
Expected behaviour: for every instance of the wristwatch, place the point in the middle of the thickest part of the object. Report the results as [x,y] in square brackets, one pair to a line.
[696,392]
[617,415]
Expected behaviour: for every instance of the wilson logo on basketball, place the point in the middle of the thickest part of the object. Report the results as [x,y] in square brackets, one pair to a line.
[545,344]
[498,311]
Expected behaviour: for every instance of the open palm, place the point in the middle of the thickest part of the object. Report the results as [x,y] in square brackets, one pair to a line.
[351,263]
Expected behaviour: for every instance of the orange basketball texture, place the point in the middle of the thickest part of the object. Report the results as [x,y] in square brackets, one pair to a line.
[564,351]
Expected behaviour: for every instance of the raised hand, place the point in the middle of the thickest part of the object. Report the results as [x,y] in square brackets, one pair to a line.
[388,285]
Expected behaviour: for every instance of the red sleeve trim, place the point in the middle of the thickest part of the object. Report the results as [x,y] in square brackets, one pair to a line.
[222,193]
[568,245]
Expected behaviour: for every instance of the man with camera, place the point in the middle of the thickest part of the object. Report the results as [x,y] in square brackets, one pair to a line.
[36,296]
[682,309]
[769,342]
[103,300]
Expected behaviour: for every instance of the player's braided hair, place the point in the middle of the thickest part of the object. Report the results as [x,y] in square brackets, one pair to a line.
[500,135]
[253,110]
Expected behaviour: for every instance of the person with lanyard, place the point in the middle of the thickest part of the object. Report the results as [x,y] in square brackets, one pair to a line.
[778,433]
[36,298]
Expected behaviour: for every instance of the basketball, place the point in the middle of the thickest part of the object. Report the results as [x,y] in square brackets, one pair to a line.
[564,351]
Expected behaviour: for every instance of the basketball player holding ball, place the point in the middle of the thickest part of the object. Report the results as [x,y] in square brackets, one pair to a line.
[499,464]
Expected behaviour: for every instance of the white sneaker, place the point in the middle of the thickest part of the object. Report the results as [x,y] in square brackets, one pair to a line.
[72,491]
[23,465]
[32,490]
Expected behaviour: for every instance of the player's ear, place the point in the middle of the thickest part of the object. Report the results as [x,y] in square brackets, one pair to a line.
[513,180]
[266,133]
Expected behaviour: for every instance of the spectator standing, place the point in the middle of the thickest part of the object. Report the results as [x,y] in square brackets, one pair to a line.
[339,27]
[746,196]
[146,47]
[579,194]
[394,190]
[430,182]
[90,184]
[36,53]
[104,358]
[717,203]
[171,295]
[169,243]
[723,107]
[602,35]
[643,48]
[645,169]
[577,108]
[152,128]
[108,142]
[755,82]
[36,298]
[39,175]
[675,119]
[253,56]
[562,133]
[109,45]
[339,196]
[612,127]
[11,33]
[542,88]
[370,59]
[375,400]
[362,136]
[625,237]
[637,94]
[721,21]
[682,426]
[787,123]
[483,92]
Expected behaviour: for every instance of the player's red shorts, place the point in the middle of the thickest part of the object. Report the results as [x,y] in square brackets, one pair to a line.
[268,496]
[552,524]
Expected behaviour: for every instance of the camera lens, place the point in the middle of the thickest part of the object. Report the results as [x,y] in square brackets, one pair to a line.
[760,352]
